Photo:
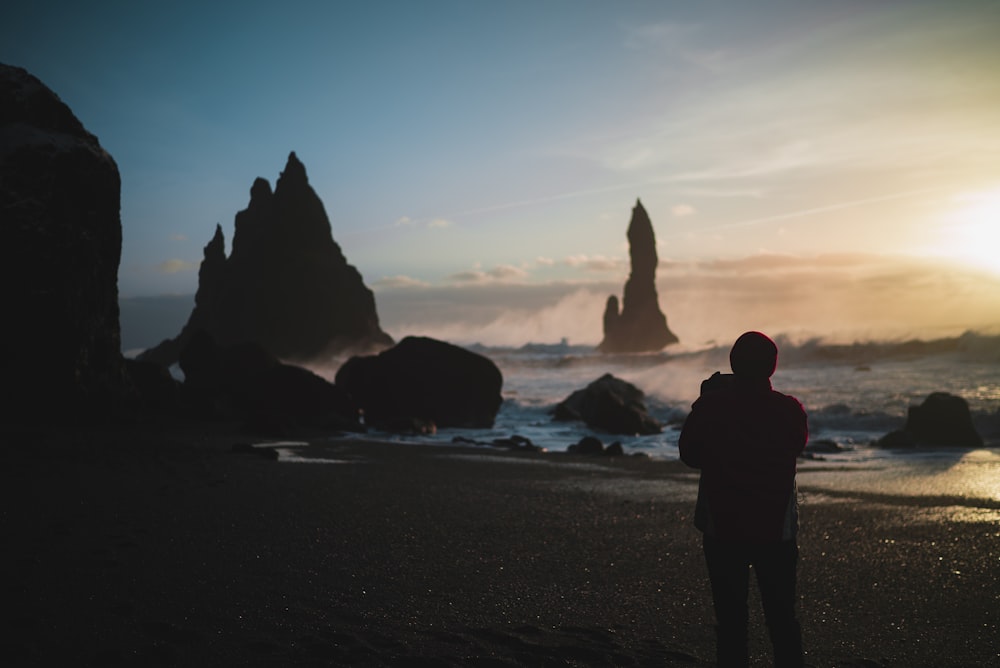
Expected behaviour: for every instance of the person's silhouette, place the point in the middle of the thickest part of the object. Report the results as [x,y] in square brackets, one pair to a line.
[745,437]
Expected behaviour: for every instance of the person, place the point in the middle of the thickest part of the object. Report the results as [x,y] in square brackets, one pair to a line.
[745,437]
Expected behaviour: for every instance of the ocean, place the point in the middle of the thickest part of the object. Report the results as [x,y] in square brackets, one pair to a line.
[853,394]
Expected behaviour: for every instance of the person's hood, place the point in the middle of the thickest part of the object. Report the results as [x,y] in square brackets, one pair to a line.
[754,355]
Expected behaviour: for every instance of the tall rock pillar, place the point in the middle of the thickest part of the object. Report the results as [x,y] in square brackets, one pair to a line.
[640,326]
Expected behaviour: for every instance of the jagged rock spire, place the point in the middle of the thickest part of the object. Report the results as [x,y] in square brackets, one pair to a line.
[294,174]
[286,285]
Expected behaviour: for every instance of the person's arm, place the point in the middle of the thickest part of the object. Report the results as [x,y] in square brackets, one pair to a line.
[692,436]
[804,433]
[799,433]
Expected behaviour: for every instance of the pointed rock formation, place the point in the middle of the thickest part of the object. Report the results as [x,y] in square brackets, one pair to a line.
[286,285]
[640,326]
[62,236]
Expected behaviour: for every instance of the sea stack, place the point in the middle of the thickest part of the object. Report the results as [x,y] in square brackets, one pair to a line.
[286,285]
[640,326]
[62,237]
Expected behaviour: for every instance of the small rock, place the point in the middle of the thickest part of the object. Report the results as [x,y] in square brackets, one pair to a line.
[588,445]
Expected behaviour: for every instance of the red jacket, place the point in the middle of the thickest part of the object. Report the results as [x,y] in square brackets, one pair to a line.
[745,439]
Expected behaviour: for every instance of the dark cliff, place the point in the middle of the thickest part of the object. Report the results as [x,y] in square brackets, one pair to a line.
[62,237]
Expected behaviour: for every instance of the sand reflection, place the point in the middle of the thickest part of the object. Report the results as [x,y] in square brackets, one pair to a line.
[954,485]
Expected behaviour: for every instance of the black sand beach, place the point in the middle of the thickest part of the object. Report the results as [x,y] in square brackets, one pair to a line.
[133,548]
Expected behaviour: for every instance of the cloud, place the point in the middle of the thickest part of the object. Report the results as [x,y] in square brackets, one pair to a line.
[724,193]
[840,298]
[474,276]
[544,261]
[681,210]
[399,281]
[500,315]
[596,263]
[656,35]
[178,237]
[779,158]
[836,297]
[826,208]
[754,264]
[501,273]
[674,41]
[507,272]
[715,60]
[429,223]
[780,264]
[175,266]
[775,104]
[561,195]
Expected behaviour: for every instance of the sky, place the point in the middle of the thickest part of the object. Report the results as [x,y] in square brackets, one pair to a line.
[807,166]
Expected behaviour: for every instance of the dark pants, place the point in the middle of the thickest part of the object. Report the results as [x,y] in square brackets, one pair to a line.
[729,565]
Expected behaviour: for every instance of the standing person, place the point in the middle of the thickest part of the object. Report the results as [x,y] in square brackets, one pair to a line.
[745,437]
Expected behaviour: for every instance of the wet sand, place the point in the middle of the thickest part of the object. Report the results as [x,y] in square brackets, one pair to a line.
[166,547]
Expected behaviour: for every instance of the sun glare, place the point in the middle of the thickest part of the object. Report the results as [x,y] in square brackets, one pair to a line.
[975,229]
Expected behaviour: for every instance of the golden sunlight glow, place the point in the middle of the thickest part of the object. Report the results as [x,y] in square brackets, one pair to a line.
[975,227]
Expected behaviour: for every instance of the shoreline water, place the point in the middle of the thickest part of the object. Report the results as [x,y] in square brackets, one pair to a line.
[966,480]
[854,394]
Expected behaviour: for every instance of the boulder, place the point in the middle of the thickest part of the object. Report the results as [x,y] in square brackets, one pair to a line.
[211,369]
[614,449]
[155,390]
[942,419]
[512,442]
[61,227]
[640,326]
[286,286]
[284,397]
[588,445]
[611,405]
[411,426]
[516,442]
[246,382]
[424,379]
[824,446]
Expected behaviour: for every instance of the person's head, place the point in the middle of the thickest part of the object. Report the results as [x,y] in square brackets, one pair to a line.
[754,355]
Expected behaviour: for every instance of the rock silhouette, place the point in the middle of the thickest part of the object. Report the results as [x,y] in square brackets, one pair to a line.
[244,381]
[286,285]
[426,383]
[640,326]
[942,419]
[59,214]
[610,404]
